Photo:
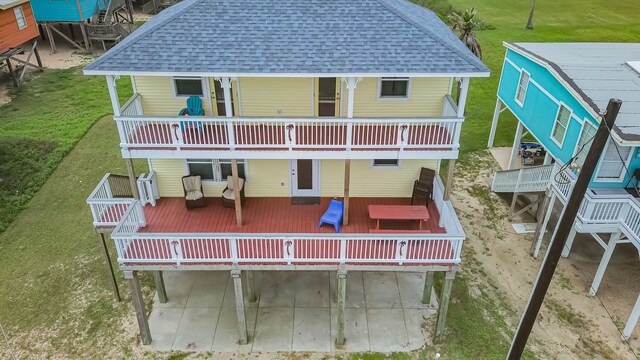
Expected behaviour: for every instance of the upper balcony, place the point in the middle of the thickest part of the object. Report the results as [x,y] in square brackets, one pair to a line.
[144,136]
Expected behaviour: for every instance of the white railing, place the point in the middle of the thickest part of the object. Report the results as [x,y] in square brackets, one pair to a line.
[620,210]
[148,188]
[531,179]
[139,248]
[200,133]
[108,201]
[449,107]
[562,182]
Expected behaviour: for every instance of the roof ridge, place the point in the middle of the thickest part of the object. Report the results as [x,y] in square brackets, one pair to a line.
[141,34]
[427,31]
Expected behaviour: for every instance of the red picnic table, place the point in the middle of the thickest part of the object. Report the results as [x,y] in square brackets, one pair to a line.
[398,212]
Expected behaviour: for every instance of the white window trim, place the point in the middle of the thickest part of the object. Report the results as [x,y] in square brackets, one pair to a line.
[555,120]
[24,18]
[394,98]
[216,167]
[585,123]
[526,87]
[205,87]
[384,167]
[623,171]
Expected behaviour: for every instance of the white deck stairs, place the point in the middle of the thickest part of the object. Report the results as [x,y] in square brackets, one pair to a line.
[527,180]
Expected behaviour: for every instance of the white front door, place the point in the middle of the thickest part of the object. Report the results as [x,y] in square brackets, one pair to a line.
[305,177]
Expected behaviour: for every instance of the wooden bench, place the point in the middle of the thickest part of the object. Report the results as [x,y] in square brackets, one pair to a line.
[390,231]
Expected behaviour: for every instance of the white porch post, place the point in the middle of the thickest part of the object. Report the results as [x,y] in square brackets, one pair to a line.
[113,94]
[611,246]
[494,123]
[225,82]
[462,99]
[351,87]
[535,250]
[547,159]
[633,320]
[569,243]
[516,144]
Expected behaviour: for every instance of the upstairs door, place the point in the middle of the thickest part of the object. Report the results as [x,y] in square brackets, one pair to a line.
[305,177]
[219,99]
[328,96]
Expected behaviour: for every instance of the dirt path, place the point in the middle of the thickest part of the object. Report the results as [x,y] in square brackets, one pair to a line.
[572,325]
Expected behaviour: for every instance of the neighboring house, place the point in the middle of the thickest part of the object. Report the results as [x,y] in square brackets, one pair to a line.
[306,102]
[17,27]
[558,93]
[99,20]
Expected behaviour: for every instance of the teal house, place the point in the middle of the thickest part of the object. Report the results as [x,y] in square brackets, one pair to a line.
[67,10]
[558,92]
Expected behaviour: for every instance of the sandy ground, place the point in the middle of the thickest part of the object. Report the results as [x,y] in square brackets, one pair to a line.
[572,325]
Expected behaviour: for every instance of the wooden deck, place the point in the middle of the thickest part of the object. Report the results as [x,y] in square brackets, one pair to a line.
[272,215]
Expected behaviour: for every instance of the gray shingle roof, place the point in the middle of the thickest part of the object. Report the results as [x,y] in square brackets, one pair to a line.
[242,37]
[598,72]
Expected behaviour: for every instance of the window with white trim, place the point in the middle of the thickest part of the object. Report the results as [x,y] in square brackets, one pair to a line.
[214,169]
[20,19]
[612,164]
[561,124]
[385,163]
[584,142]
[186,86]
[394,87]
[523,83]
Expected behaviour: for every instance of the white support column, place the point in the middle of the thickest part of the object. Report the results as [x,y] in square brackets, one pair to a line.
[516,144]
[494,123]
[352,83]
[113,94]
[225,82]
[547,159]
[462,99]
[569,243]
[633,320]
[242,319]
[538,241]
[611,246]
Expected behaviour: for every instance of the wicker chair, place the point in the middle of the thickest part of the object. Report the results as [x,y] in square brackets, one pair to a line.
[193,194]
[229,196]
[423,187]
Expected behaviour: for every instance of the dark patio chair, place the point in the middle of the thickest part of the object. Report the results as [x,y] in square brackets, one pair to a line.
[423,187]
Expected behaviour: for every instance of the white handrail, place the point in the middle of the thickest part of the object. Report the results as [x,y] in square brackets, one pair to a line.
[148,188]
[106,210]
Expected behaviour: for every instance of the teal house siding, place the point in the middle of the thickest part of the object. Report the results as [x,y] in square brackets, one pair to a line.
[65,10]
[540,107]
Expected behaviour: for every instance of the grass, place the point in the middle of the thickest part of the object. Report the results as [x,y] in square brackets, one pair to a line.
[42,123]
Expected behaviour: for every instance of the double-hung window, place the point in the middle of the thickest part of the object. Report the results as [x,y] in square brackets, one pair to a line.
[20,19]
[523,83]
[188,86]
[394,88]
[584,142]
[613,162]
[214,169]
[561,124]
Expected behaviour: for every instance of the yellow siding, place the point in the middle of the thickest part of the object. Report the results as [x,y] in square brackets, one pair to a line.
[371,182]
[276,96]
[426,99]
[266,178]
[158,98]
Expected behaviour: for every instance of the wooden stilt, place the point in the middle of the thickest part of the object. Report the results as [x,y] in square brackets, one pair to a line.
[85,36]
[251,287]
[107,261]
[444,304]
[633,320]
[428,287]
[37,53]
[569,243]
[608,252]
[52,42]
[132,178]
[494,123]
[12,73]
[541,216]
[347,179]
[160,289]
[73,36]
[537,240]
[236,191]
[242,320]
[342,293]
[62,35]
[516,145]
[138,304]
[447,187]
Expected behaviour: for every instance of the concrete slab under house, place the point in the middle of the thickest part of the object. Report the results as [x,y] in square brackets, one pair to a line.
[304,183]
[558,92]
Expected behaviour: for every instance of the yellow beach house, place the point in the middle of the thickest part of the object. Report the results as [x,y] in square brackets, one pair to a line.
[276,109]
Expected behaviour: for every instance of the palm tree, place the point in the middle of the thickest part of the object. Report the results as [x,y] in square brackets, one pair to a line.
[530,21]
[465,24]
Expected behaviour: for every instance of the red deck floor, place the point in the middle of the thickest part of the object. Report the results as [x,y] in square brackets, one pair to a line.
[272,215]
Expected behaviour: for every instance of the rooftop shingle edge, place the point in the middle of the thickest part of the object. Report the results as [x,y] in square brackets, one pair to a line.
[442,50]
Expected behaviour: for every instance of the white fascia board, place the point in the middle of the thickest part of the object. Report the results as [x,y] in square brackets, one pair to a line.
[565,84]
[296,75]
[269,155]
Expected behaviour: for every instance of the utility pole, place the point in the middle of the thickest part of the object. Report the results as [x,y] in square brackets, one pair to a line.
[550,261]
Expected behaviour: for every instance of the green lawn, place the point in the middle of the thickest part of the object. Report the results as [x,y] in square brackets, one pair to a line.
[55,296]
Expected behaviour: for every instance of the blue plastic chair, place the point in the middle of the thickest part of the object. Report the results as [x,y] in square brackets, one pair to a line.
[333,215]
[194,108]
